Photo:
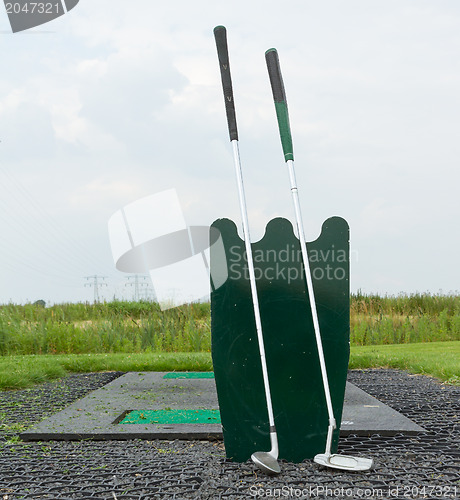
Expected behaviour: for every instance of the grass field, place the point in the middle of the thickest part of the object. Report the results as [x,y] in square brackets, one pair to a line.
[419,333]
[136,327]
[438,359]
[105,327]
[18,372]
[376,320]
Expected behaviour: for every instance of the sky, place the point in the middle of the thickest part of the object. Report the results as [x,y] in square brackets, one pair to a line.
[115,101]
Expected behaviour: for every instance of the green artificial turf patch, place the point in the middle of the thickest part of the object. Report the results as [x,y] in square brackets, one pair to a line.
[172,417]
[189,375]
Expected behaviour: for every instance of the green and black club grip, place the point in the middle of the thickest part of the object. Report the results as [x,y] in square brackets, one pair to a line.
[220,34]
[279,96]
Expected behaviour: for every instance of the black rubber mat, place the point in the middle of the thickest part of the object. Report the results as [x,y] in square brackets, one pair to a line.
[423,466]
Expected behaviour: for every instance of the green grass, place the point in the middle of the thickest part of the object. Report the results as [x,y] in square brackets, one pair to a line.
[113,327]
[404,319]
[44,343]
[136,327]
[18,372]
[415,304]
[438,359]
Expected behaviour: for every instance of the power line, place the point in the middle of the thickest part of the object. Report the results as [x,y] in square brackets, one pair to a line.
[96,284]
[139,281]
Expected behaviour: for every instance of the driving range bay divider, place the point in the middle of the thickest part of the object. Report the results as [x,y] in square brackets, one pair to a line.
[292,357]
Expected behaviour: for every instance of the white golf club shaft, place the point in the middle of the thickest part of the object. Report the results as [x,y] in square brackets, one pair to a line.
[220,34]
[311,296]
[252,280]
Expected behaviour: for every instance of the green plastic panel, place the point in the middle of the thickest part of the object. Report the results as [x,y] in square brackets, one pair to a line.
[199,416]
[292,357]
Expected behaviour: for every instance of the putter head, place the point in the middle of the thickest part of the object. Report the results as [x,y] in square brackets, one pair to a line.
[343,462]
[266,462]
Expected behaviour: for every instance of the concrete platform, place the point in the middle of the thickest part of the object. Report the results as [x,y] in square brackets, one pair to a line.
[97,415]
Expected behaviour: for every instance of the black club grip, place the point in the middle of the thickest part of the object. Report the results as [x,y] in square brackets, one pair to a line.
[274,72]
[220,34]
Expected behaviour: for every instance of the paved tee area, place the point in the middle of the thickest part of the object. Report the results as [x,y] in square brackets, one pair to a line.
[425,465]
[97,415]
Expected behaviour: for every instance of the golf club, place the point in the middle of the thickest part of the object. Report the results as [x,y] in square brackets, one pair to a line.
[327,459]
[266,461]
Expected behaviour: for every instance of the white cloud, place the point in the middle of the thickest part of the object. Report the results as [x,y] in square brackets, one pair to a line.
[124,100]
[102,192]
